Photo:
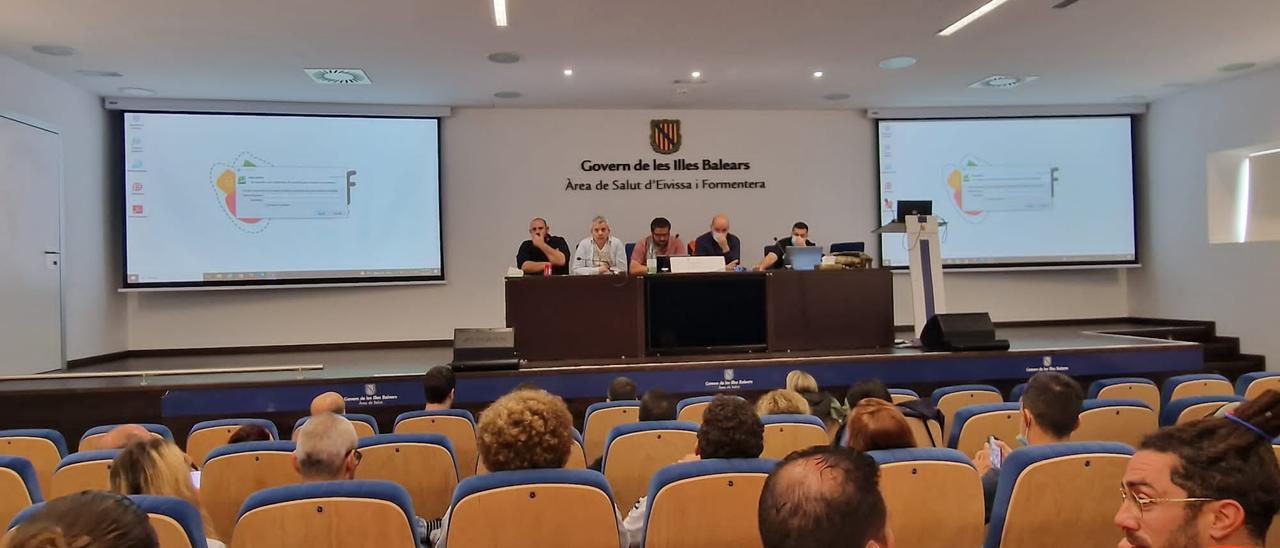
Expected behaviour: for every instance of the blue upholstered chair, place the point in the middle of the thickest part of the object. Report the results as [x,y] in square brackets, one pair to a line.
[1015,394]
[600,419]
[19,487]
[1196,384]
[948,399]
[633,453]
[233,472]
[848,247]
[1117,420]
[365,425]
[207,435]
[933,495]
[691,409]
[86,470]
[421,463]
[713,502]
[459,425]
[1126,388]
[535,508]
[785,434]
[43,447]
[1187,409]
[898,395]
[177,522]
[329,514]
[1250,385]
[93,437]
[972,425]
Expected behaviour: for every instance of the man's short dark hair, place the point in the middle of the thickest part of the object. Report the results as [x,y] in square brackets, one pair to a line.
[657,405]
[800,225]
[438,383]
[867,388]
[1221,459]
[622,388]
[659,222]
[1055,400]
[730,430]
[822,496]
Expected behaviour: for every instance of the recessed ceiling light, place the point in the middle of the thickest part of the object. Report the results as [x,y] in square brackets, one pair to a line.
[338,76]
[1237,67]
[99,73]
[695,75]
[507,95]
[894,63]
[1001,81]
[137,92]
[568,72]
[500,13]
[836,96]
[973,16]
[817,74]
[505,57]
[54,50]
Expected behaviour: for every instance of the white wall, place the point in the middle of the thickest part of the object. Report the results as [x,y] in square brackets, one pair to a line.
[504,166]
[95,314]
[1185,276]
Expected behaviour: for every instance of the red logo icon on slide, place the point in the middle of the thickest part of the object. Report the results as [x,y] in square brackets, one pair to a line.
[137,209]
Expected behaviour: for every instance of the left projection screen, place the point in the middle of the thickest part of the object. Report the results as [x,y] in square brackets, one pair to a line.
[250,199]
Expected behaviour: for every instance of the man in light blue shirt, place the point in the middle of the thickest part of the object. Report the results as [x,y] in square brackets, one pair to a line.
[601,253]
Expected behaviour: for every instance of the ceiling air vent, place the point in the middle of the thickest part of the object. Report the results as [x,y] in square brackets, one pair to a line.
[1001,81]
[338,76]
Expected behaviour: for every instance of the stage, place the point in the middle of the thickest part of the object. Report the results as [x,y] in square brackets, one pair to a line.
[385,381]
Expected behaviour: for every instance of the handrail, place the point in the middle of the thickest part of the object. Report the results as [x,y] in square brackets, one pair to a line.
[163,373]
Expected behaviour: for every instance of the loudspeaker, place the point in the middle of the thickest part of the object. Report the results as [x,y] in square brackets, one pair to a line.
[484,349]
[960,333]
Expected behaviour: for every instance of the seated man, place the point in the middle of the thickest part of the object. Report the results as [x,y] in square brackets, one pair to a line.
[824,497]
[1206,483]
[719,242]
[601,253]
[438,387]
[123,436]
[775,256]
[659,242]
[1050,413]
[620,389]
[655,405]
[730,430]
[328,402]
[542,249]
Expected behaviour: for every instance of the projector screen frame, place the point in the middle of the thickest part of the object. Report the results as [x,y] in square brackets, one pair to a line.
[903,115]
[120,179]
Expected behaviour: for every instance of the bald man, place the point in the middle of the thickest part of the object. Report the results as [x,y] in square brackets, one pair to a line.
[328,402]
[718,242]
[824,496]
[123,436]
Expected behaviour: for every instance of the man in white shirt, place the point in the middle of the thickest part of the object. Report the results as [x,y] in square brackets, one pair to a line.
[601,253]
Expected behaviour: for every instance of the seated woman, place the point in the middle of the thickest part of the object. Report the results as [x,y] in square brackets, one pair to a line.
[96,519]
[876,424]
[782,402]
[158,467]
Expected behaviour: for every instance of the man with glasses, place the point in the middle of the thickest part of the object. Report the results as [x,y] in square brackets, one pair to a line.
[1203,484]
[543,249]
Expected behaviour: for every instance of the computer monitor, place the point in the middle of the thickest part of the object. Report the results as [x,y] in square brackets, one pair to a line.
[913,207]
[804,257]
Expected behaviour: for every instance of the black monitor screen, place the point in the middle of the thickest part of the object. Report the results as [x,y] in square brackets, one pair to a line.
[706,313]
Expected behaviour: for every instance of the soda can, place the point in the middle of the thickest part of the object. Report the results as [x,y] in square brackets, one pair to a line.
[546,269]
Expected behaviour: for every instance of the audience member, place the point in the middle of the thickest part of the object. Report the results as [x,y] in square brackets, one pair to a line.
[158,467]
[915,409]
[1208,483]
[821,404]
[655,405]
[328,402]
[867,388]
[875,424]
[824,497]
[620,389]
[782,402]
[1050,413]
[730,430]
[799,381]
[249,432]
[88,519]
[438,385]
[124,435]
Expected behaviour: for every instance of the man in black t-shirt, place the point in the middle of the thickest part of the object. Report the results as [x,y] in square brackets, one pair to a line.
[542,249]
[775,254]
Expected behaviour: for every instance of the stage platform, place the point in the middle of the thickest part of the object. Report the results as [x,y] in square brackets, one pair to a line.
[384,382]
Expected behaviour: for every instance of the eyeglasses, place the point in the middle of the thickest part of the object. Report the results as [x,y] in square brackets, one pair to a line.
[1143,502]
[359,456]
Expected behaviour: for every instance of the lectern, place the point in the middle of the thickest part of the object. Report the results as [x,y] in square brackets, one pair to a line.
[925,260]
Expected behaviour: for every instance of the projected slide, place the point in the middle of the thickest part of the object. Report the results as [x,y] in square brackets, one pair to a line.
[1013,192]
[229,199]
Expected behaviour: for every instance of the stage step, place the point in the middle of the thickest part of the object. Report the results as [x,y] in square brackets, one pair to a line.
[1238,365]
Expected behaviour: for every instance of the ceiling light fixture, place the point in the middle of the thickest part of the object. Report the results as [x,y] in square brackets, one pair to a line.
[568,72]
[973,16]
[54,50]
[507,95]
[505,57]
[1237,67]
[1264,152]
[836,96]
[695,75]
[895,63]
[99,73]
[817,74]
[137,92]
[500,13]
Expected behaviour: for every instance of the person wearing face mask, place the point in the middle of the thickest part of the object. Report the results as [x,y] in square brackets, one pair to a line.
[774,256]
[601,253]
[1050,413]
[718,242]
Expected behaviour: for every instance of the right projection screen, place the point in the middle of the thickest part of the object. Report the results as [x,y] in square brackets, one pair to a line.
[1013,192]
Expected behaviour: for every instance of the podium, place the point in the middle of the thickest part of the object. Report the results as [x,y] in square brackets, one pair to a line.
[925,251]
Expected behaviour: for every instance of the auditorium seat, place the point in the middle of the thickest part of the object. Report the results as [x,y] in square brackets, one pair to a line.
[43,447]
[329,514]
[1060,495]
[365,425]
[456,424]
[1250,385]
[784,434]
[1185,410]
[600,418]
[714,502]
[630,246]
[1015,395]
[974,423]
[233,472]
[691,409]
[848,247]
[1126,388]
[207,435]
[93,437]
[421,463]
[177,522]
[1117,420]
[950,398]
[633,453]
[927,433]
[1197,384]
[933,496]
[898,395]
[19,487]
[547,507]
[86,470]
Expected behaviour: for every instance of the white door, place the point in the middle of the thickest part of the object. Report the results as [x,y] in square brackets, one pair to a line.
[30,246]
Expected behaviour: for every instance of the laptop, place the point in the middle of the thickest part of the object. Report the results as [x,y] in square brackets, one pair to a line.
[913,207]
[803,257]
